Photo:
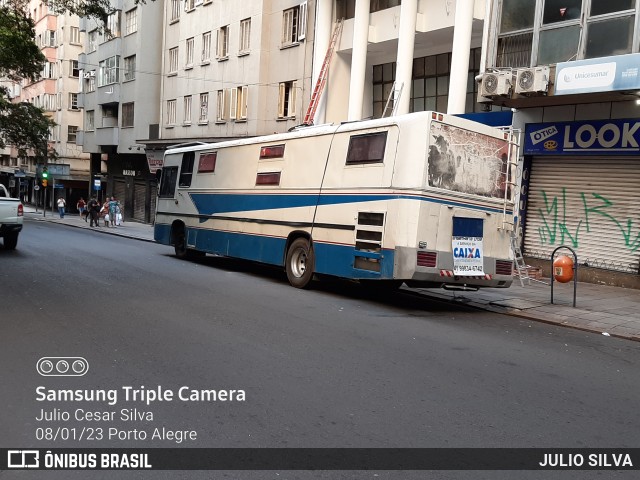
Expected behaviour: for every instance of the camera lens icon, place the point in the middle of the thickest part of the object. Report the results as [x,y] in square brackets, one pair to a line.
[62,366]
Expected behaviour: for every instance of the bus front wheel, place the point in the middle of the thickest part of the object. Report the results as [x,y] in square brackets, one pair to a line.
[300,263]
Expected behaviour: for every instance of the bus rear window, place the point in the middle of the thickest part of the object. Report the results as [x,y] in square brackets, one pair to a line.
[368,148]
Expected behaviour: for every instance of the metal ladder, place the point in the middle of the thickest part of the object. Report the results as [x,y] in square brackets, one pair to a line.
[518,260]
[322,77]
[392,101]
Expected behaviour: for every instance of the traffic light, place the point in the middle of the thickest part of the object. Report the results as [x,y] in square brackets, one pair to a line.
[44,182]
[45,176]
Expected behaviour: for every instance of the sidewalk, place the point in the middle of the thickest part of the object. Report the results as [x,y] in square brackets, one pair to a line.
[601,309]
[139,231]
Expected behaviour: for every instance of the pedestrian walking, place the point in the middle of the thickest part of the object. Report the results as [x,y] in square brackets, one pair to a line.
[82,208]
[94,212]
[61,204]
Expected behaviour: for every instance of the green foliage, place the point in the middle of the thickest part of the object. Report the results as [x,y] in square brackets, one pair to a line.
[25,127]
[20,57]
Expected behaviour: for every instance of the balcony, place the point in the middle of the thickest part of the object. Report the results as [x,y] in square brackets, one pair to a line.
[107,136]
[108,94]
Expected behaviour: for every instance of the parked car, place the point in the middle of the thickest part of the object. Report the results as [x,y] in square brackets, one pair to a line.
[11,218]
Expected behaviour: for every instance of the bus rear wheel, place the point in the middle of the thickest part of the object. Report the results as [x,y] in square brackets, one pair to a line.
[300,263]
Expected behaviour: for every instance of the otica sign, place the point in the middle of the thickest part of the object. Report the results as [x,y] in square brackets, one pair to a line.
[601,137]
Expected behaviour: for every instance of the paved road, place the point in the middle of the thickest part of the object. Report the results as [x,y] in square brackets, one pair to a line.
[329,367]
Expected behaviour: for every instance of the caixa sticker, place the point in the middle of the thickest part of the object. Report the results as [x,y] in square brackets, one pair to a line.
[62,366]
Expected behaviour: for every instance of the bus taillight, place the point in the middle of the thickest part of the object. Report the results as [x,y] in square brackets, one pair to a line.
[427,259]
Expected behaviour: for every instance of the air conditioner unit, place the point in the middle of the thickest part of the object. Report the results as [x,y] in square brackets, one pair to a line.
[496,84]
[532,80]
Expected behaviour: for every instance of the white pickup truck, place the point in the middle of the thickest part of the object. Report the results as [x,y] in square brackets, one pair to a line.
[11,218]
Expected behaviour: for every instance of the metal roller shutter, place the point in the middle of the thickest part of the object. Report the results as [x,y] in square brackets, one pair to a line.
[588,204]
[119,190]
[139,195]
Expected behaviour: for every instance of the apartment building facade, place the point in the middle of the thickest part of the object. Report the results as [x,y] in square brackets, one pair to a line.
[121,82]
[57,92]
[570,69]
[233,69]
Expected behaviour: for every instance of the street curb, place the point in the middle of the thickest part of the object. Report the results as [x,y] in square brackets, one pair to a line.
[520,314]
[99,230]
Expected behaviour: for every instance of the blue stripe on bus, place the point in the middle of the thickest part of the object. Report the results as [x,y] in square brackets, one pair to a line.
[331,259]
[215,203]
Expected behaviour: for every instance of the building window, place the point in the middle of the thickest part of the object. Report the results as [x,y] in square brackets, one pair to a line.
[173,60]
[131,21]
[220,106]
[49,70]
[206,47]
[110,115]
[347,8]
[73,101]
[72,133]
[429,89]
[127,114]
[204,108]
[74,35]
[49,38]
[175,10]
[222,46]
[93,41]
[171,112]
[90,81]
[287,100]
[90,121]
[565,31]
[189,5]
[245,36]
[294,25]
[109,71]
[190,46]
[113,25]
[238,99]
[74,70]
[187,110]
[129,68]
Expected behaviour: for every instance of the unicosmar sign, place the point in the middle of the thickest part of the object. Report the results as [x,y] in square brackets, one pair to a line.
[601,137]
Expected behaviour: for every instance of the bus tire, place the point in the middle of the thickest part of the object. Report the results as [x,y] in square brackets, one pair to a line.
[300,263]
[180,245]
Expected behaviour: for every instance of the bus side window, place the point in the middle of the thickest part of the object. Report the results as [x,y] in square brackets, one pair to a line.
[368,148]
[186,170]
[168,182]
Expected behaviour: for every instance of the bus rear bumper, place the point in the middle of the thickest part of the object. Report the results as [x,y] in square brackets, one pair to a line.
[419,268]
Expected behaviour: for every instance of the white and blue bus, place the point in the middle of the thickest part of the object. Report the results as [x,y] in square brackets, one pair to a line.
[422,198]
